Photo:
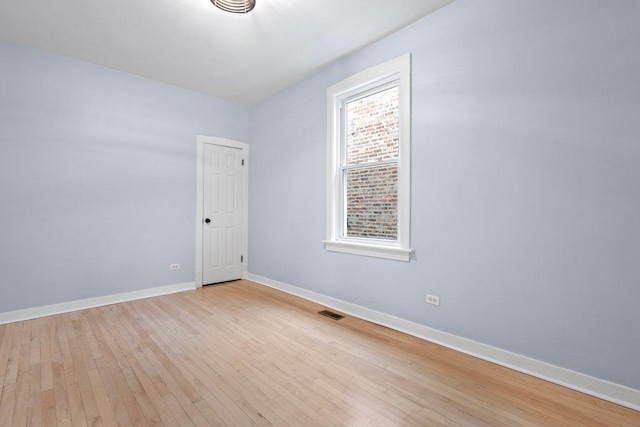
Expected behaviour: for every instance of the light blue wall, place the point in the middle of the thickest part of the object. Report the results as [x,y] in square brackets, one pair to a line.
[97,178]
[526,182]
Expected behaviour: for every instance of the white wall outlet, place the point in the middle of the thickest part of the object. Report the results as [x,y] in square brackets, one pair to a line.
[175,266]
[432,299]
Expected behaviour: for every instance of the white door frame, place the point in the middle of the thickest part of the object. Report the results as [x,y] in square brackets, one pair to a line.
[225,142]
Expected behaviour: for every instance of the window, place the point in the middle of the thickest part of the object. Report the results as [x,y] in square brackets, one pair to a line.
[368,165]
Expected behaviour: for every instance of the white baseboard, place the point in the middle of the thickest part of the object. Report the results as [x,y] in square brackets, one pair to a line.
[65,307]
[612,392]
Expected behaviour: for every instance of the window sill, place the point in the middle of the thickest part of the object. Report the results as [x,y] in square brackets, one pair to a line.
[377,251]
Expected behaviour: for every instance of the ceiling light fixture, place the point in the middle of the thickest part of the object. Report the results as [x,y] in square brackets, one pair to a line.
[235,6]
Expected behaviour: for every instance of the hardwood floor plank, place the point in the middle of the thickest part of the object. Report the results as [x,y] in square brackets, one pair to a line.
[177,410]
[46,373]
[7,404]
[144,402]
[184,393]
[107,415]
[34,339]
[3,331]
[82,402]
[110,367]
[72,371]
[115,400]
[208,413]
[63,415]
[140,382]
[48,408]
[76,408]
[6,349]
[22,383]
[89,402]
[11,372]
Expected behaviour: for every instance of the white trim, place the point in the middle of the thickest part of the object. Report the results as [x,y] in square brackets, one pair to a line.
[225,142]
[66,307]
[378,251]
[398,69]
[612,392]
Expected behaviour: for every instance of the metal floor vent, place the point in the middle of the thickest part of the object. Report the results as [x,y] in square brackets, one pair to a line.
[331,314]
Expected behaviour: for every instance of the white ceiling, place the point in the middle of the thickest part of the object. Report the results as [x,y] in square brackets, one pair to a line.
[192,44]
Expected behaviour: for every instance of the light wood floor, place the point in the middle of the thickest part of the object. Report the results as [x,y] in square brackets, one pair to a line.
[241,354]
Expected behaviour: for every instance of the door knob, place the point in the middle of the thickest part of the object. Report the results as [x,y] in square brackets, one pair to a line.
[207,220]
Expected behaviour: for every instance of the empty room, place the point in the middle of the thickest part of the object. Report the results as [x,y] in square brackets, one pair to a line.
[320,213]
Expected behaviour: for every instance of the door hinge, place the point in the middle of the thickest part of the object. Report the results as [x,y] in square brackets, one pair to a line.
[241,258]
[242,162]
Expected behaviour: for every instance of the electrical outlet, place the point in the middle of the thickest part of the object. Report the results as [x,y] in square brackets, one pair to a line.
[175,266]
[432,299]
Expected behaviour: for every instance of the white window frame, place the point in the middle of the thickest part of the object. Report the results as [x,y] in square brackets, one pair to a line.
[399,71]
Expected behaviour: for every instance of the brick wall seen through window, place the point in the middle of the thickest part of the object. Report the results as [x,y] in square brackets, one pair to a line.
[372,189]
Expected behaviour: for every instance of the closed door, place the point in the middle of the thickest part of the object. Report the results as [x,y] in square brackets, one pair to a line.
[222,223]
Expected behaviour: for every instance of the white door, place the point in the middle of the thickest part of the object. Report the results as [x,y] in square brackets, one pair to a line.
[222,216]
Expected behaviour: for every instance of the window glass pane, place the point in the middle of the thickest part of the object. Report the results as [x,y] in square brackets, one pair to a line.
[372,128]
[372,202]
